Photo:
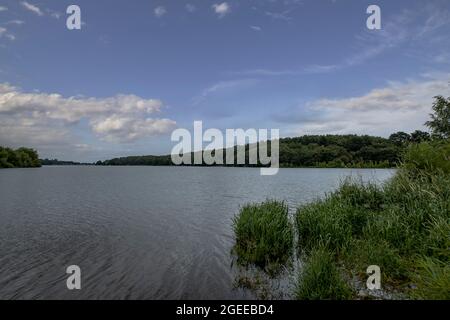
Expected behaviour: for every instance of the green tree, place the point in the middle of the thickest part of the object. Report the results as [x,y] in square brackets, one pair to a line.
[420,136]
[400,138]
[440,119]
[20,158]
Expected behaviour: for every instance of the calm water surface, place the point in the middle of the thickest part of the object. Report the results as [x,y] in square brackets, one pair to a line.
[137,232]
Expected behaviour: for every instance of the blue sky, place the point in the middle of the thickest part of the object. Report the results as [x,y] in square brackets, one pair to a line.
[139,69]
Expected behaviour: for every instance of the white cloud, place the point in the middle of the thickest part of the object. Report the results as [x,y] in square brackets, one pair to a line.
[221,9]
[160,11]
[117,128]
[399,106]
[33,8]
[190,8]
[122,118]
[2,8]
[255,28]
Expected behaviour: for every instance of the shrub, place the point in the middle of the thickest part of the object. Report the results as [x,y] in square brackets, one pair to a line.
[430,157]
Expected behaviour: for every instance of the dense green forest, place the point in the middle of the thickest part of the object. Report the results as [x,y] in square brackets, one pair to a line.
[19,158]
[318,151]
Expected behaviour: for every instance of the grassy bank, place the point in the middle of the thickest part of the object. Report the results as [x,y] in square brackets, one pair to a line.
[403,227]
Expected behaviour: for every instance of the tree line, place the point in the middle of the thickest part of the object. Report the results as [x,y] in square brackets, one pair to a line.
[19,158]
[314,151]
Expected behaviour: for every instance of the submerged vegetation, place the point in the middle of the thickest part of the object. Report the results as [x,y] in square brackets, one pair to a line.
[19,158]
[402,226]
[264,235]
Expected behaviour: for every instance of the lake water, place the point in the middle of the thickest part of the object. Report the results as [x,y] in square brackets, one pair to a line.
[137,232]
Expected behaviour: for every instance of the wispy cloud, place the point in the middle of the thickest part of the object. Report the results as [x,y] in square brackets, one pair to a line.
[224,86]
[190,8]
[2,8]
[279,15]
[54,14]
[4,33]
[314,69]
[265,72]
[16,22]
[437,18]
[407,28]
[33,8]
[256,28]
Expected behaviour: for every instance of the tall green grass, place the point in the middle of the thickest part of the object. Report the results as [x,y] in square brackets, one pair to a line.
[403,226]
[321,279]
[264,235]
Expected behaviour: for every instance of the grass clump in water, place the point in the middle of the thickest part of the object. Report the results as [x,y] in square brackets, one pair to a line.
[264,235]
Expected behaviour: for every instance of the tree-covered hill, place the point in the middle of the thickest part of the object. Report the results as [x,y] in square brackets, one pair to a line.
[317,151]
